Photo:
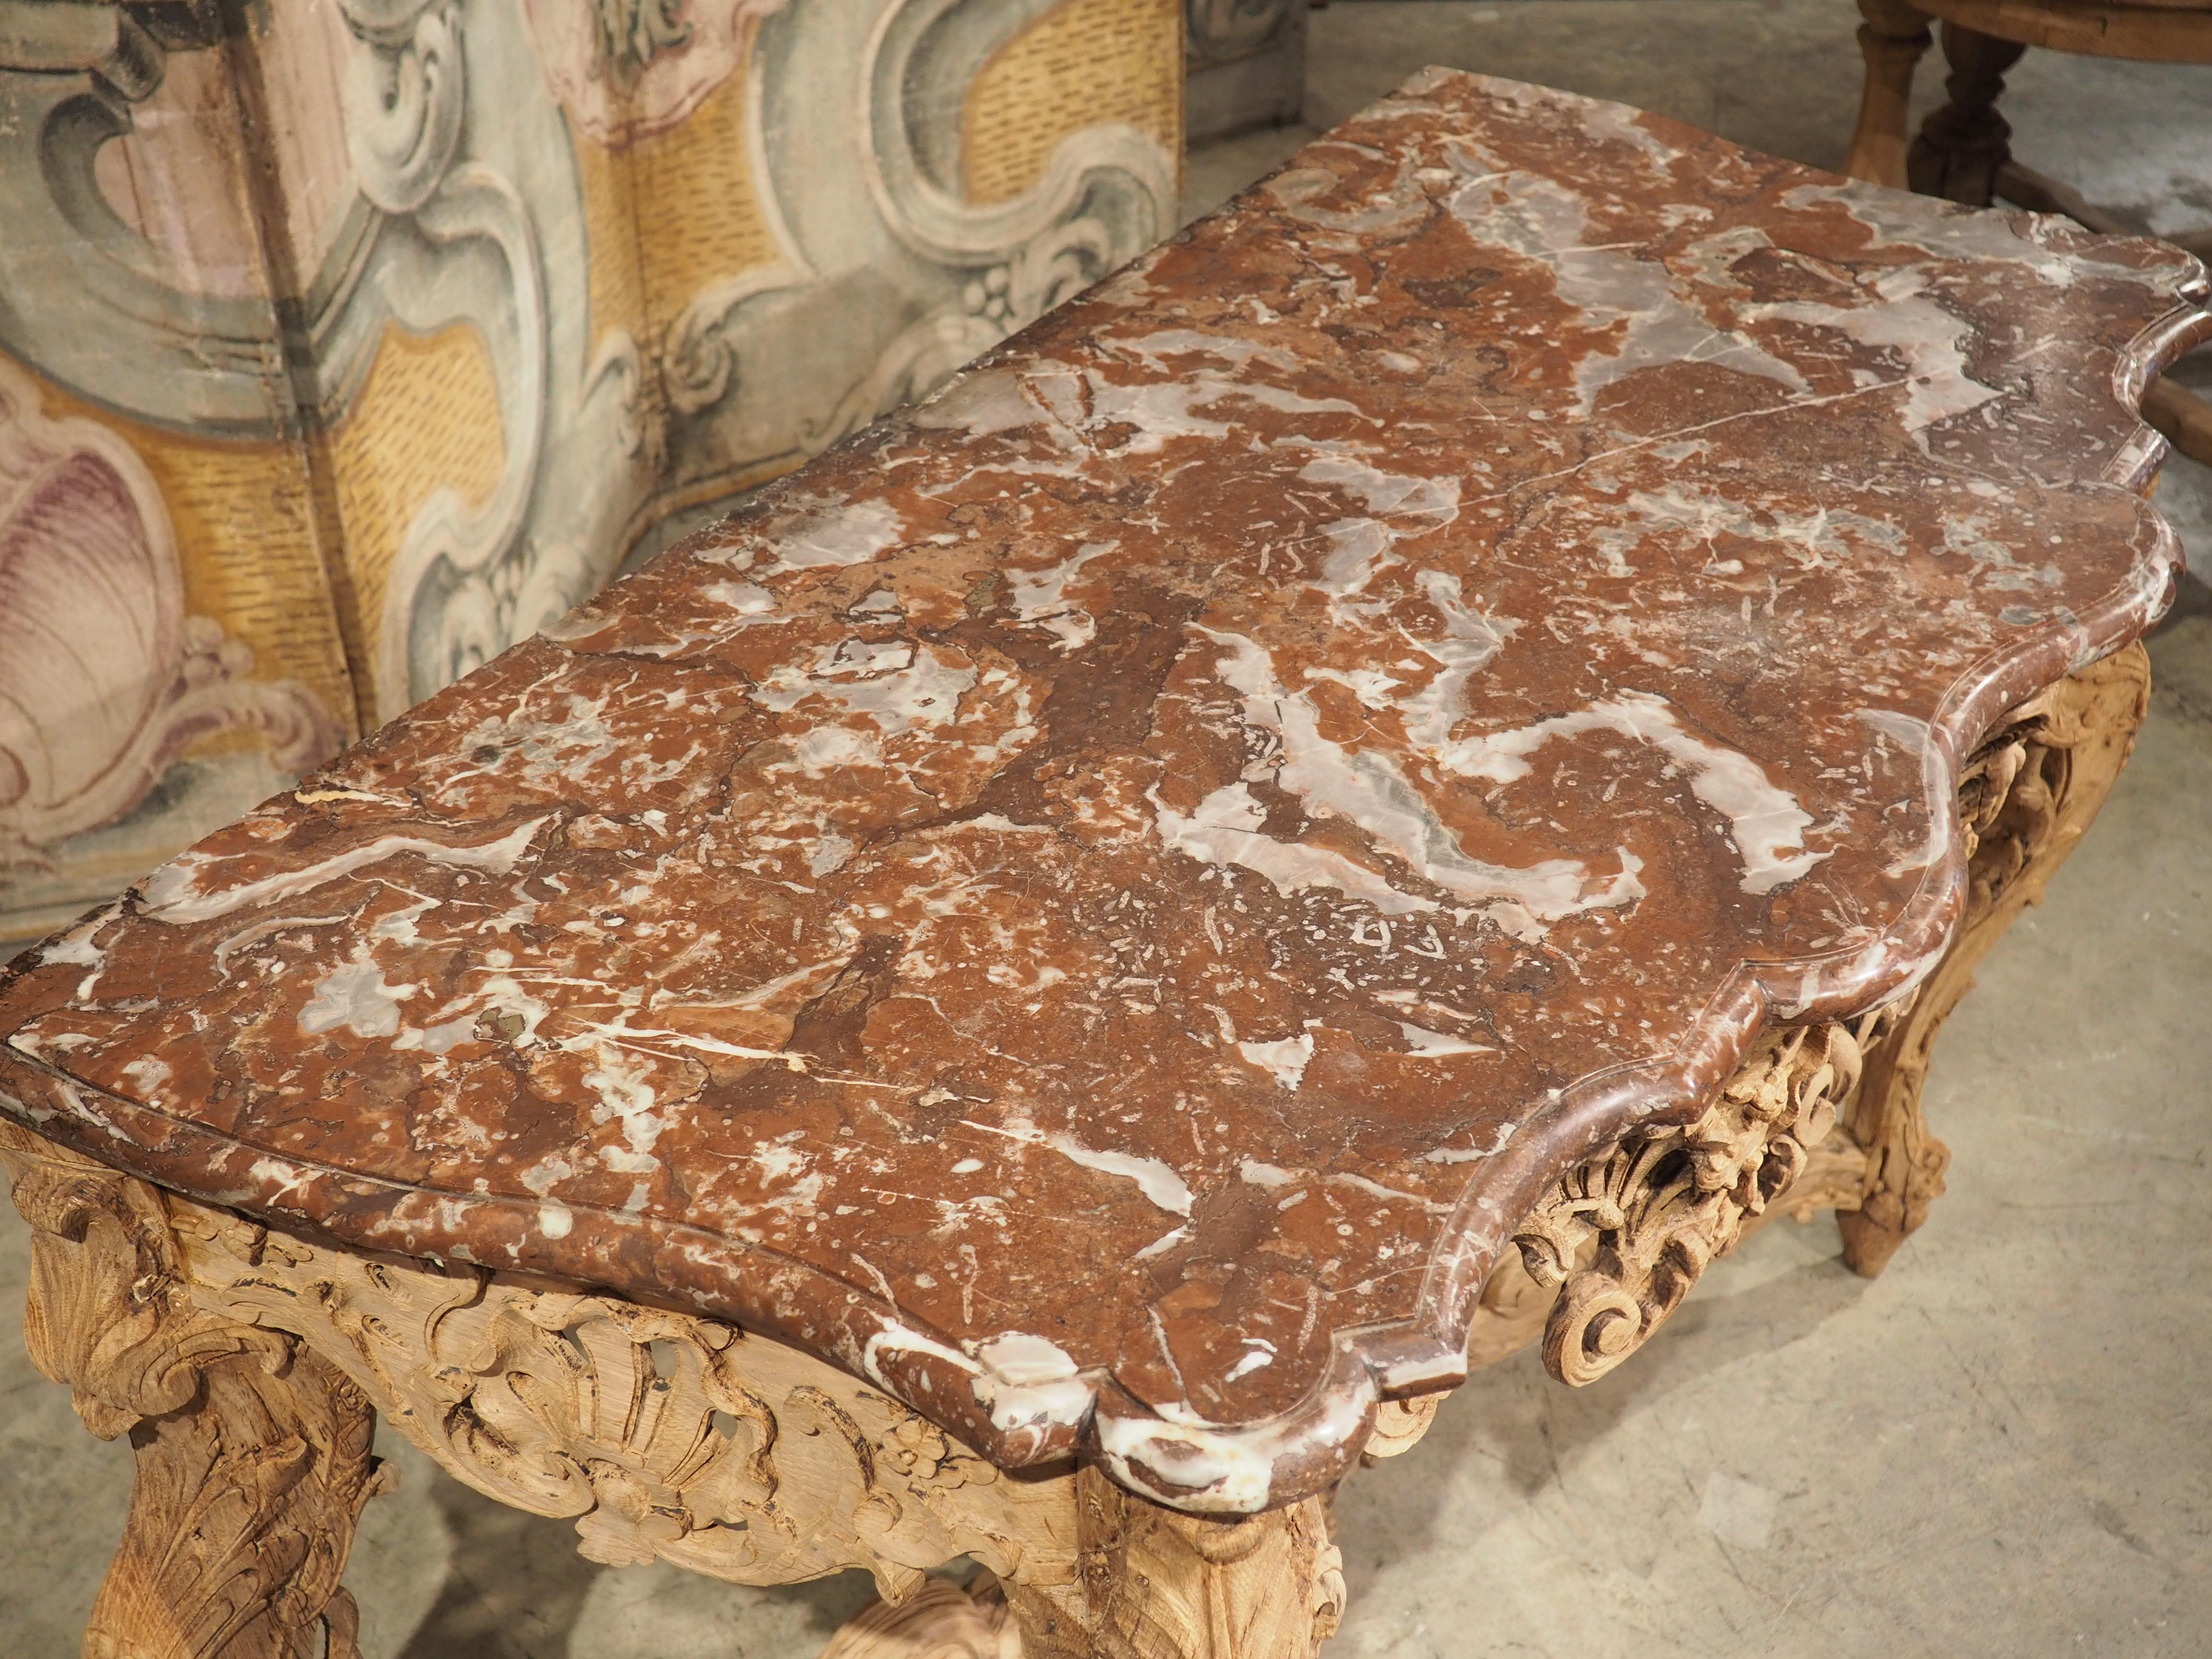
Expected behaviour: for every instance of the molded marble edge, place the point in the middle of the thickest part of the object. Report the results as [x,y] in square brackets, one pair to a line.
[1019,1415]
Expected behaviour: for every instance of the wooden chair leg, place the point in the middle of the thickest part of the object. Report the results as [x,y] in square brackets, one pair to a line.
[1962,145]
[2032,792]
[1893,40]
[253,1457]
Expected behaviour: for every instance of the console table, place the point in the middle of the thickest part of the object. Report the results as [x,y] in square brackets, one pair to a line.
[1390,779]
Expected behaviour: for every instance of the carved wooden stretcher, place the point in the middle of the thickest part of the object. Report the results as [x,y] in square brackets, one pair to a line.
[1018,998]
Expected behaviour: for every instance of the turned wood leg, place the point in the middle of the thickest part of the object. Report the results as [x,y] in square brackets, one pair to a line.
[1158,1585]
[2031,790]
[1962,145]
[1891,39]
[252,1453]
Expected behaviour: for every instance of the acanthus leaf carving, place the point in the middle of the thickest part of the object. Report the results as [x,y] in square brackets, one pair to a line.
[1156,1583]
[253,1455]
[661,1435]
[1827,1115]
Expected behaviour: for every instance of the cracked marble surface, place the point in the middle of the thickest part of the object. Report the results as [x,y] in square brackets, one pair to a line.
[1097,903]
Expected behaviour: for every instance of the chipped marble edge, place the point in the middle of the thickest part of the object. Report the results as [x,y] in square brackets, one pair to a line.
[1019,1399]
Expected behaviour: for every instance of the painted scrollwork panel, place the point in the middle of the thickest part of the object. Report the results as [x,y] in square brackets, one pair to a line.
[467,134]
[86,299]
[883,261]
[663,1436]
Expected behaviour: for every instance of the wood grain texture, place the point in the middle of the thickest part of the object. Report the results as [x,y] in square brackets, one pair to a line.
[2031,790]
[252,1452]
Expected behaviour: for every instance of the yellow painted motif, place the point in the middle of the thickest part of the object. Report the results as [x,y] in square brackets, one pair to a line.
[1080,64]
[426,418]
[672,214]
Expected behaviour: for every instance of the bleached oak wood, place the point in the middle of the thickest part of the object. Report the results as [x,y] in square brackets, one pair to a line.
[2030,792]
[252,1452]
[940,1620]
[1158,1585]
[1625,1237]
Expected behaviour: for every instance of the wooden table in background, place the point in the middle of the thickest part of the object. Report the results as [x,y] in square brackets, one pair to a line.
[1964,150]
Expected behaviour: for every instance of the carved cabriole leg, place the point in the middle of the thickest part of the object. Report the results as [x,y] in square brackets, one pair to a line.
[253,1455]
[660,1435]
[1156,1584]
[2030,794]
[1962,145]
[1893,40]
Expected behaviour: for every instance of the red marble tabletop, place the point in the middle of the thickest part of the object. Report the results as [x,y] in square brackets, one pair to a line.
[1098,903]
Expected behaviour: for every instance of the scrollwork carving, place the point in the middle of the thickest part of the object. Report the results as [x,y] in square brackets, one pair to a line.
[1399,1426]
[2027,793]
[1826,1116]
[245,1363]
[661,1435]
[1625,1237]
[252,1456]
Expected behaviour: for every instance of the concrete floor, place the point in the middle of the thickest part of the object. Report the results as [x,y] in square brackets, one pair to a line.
[2003,1447]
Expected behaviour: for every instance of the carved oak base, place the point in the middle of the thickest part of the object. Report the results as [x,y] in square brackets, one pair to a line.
[252,1452]
[2029,794]
[246,1364]
[1823,1117]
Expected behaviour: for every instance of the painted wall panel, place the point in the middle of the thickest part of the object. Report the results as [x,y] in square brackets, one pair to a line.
[342,348]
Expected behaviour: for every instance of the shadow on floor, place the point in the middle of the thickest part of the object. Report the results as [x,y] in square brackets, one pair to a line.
[514,1589]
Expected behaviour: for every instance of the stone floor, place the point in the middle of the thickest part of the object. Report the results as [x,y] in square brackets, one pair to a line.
[2003,1447]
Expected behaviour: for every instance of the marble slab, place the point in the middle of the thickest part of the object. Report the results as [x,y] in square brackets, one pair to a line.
[1098,903]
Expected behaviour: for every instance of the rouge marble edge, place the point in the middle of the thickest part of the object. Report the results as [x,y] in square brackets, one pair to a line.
[1185,1463]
